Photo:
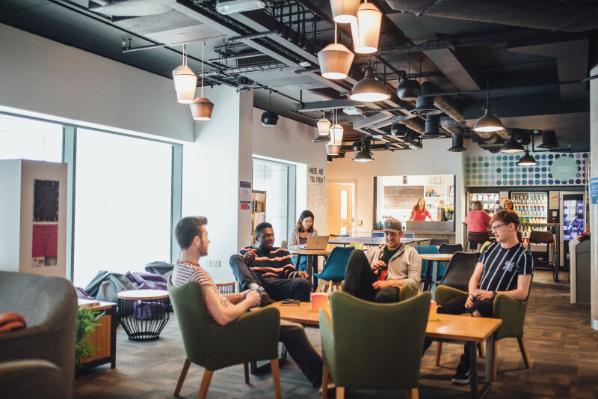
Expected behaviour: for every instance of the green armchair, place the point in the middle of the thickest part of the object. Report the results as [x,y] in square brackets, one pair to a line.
[369,345]
[252,337]
[511,311]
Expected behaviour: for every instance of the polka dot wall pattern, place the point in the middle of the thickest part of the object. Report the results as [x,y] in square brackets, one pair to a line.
[495,170]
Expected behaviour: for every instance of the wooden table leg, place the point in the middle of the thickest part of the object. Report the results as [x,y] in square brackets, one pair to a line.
[434,279]
[490,355]
[472,352]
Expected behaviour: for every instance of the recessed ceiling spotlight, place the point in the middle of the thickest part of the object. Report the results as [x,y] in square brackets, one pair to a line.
[352,111]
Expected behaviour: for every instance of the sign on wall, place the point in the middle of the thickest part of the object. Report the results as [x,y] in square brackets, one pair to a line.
[316,175]
[44,248]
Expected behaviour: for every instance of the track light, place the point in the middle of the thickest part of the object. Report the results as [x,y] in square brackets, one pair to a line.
[269,119]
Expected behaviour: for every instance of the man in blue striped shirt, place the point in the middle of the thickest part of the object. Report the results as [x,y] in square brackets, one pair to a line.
[505,268]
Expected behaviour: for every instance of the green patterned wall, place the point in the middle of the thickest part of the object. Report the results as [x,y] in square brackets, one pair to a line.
[492,170]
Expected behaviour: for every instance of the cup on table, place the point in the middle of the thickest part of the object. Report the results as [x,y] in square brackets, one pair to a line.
[318,299]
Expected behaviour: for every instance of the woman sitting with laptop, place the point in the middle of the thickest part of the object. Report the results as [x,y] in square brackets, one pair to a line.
[303,229]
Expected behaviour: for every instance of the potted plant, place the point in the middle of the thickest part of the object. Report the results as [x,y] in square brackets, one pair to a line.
[86,325]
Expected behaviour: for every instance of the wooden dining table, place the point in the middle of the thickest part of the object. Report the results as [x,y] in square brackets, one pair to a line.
[312,261]
[466,330]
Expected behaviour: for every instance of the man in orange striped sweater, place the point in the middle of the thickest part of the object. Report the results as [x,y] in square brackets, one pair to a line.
[267,266]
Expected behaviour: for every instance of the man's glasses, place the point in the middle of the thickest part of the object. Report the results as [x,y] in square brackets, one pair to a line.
[496,226]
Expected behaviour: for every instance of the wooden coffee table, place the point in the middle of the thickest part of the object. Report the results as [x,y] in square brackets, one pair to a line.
[312,261]
[447,328]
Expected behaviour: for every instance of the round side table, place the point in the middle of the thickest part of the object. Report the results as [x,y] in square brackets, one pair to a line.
[142,313]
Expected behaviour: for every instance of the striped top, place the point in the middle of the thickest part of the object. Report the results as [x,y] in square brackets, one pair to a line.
[502,266]
[277,258]
[185,272]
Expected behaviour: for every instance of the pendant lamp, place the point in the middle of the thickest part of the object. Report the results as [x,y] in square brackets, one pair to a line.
[336,138]
[323,126]
[511,146]
[369,89]
[269,118]
[489,122]
[185,81]
[549,140]
[202,107]
[527,160]
[335,60]
[344,11]
[365,30]
[409,89]
[363,154]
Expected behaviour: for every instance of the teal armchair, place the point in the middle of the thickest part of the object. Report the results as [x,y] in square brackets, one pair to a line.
[369,345]
[252,337]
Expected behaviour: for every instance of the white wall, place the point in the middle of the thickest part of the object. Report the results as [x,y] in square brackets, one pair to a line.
[10,214]
[432,159]
[43,76]
[291,141]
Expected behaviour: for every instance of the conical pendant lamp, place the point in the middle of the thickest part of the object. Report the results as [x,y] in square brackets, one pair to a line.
[185,81]
[335,60]
[344,11]
[489,122]
[369,89]
[365,30]
[201,107]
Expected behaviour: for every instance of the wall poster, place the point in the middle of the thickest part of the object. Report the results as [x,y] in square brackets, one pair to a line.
[44,248]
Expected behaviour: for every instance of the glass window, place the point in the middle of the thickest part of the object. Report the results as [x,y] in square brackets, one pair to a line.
[122,204]
[22,138]
[273,178]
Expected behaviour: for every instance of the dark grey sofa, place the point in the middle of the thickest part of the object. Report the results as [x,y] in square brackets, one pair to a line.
[40,358]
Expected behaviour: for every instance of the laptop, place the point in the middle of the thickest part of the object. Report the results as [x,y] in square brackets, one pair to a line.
[316,242]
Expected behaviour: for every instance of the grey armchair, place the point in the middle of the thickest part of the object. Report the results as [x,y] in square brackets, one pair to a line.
[47,345]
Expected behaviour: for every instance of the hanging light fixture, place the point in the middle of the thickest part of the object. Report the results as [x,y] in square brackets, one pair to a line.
[432,127]
[369,89]
[489,122]
[201,107]
[457,143]
[343,11]
[365,30]
[323,126]
[269,118]
[363,154]
[185,81]
[335,60]
[549,140]
[527,160]
[409,89]
[511,146]
[336,138]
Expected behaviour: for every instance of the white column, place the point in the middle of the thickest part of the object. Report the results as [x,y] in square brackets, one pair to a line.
[594,208]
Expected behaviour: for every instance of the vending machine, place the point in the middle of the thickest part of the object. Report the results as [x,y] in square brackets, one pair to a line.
[490,200]
[532,206]
[573,221]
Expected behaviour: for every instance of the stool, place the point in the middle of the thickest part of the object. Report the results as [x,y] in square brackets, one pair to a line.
[142,313]
[477,238]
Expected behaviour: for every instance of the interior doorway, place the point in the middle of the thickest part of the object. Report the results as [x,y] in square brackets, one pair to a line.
[340,208]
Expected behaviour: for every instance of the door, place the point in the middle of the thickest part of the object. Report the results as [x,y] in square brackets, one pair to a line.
[572,221]
[340,208]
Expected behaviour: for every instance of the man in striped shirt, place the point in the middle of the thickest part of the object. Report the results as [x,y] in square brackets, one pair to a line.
[505,268]
[264,265]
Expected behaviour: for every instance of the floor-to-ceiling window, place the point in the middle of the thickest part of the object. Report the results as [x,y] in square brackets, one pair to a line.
[277,179]
[122,203]
[22,138]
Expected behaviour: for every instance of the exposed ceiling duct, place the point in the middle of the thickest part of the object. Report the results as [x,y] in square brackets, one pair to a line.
[539,14]
[415,124]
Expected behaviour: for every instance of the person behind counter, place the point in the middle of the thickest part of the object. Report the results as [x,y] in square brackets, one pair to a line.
[420,213]
[477,221]
[303,229]
[508,205]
